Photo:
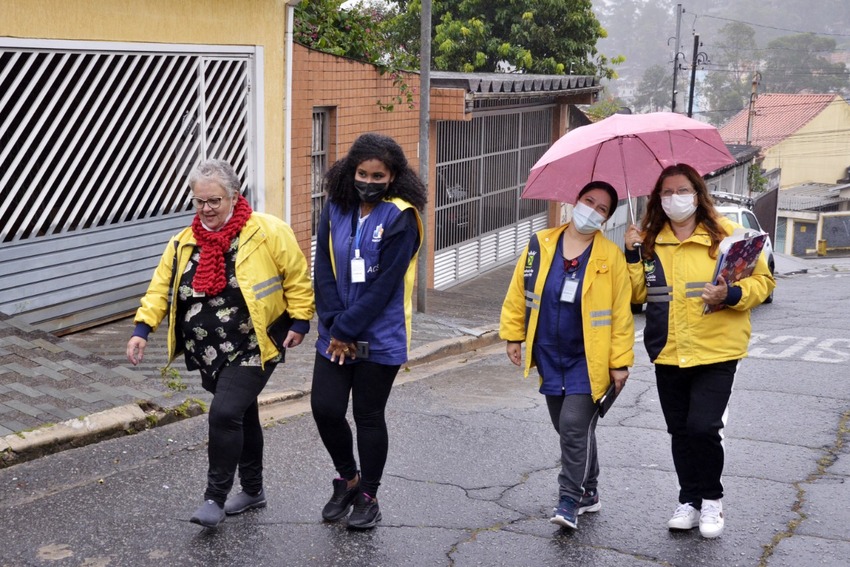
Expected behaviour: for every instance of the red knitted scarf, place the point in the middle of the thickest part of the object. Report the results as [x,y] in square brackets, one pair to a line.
[209,276]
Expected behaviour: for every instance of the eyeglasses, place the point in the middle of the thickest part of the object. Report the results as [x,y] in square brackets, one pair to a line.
[213,202]
[679,191]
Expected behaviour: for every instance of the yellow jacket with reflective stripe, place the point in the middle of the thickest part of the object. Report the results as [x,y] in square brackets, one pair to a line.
[677,333]
[271,270]
[606,315]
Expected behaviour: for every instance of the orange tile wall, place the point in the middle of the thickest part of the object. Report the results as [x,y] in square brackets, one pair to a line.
[352,89]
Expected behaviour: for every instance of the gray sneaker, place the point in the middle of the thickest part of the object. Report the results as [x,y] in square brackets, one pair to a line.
[209,515]
[243,502]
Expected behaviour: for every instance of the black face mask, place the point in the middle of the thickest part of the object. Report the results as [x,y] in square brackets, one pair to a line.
[370,192]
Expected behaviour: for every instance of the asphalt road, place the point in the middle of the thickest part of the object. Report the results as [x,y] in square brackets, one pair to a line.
[472,472]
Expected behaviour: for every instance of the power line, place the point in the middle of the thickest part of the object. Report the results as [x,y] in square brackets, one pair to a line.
[771,27]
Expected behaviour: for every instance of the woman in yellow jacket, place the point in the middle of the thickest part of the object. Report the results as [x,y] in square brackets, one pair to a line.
[671,262]
[569,302]
[230,275]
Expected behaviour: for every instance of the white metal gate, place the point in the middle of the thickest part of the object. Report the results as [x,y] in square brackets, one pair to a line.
[95,138]
[482,166]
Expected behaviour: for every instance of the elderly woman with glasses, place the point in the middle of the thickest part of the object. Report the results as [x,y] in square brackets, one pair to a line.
[232,274]
[672,259]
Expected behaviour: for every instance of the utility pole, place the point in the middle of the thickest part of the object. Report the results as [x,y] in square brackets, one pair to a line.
[424,145]
[693,76]
[752,113]
[676,55]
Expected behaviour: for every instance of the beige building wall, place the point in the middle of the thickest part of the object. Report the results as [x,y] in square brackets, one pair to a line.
[193,22]
[818,153]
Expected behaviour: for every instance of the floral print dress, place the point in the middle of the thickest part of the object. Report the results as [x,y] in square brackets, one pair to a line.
[217,330]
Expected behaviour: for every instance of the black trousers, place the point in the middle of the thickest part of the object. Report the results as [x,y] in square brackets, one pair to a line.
[695,403]
[236,436]
[369,384]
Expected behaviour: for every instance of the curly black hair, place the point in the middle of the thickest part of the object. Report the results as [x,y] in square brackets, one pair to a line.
[406,185]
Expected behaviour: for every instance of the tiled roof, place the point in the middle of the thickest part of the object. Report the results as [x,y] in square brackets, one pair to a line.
[499,83]
[777,117]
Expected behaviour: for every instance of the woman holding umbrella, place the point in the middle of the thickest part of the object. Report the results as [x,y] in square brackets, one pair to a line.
[671,261]
[569,302]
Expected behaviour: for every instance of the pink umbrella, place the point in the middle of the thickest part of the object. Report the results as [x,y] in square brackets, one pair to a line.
[626,150]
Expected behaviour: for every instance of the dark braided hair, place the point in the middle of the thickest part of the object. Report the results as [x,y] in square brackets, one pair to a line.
[406,185]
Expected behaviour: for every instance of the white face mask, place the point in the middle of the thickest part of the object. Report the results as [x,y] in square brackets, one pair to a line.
[679,207]
[586,220]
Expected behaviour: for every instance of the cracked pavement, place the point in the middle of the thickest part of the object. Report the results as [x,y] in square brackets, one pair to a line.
[472,472]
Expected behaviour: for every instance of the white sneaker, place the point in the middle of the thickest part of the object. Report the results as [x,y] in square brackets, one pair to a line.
[711,519]
[686,517]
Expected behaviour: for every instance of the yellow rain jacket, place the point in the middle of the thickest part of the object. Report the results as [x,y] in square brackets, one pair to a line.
[677,333]
[606,315]
[271,270]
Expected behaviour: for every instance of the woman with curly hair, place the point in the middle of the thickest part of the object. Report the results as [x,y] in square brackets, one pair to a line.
[368,238]
[671,261]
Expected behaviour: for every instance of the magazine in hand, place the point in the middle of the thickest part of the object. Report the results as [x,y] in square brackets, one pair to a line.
[607,400]
[739,253]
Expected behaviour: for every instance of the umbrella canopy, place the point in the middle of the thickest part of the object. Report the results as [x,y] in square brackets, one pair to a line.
[626,150]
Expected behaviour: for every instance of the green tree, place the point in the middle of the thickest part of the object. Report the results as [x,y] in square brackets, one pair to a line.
[798,63]
[729,84]
[655,89]
[531,36]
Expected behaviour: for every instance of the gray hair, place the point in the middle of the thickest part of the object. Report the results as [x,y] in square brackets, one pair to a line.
[218,171]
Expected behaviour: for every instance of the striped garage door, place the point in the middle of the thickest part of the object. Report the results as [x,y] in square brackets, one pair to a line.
[95,147]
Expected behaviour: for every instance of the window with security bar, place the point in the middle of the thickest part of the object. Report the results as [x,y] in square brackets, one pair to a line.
[97,138]
[319,162]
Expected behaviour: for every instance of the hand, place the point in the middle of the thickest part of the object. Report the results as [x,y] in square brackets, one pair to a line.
[634,237]
[136,350]
[514,351]
[339,350]
[619,378]
[292,339]
[715,294]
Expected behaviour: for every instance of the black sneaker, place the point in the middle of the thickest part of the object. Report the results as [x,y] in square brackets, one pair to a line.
[366,512]
[342,499]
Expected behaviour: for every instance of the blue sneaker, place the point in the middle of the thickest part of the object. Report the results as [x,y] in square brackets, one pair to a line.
[566,514]
[589,502]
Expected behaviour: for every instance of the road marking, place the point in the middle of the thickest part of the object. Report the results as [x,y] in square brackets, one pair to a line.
[832,350]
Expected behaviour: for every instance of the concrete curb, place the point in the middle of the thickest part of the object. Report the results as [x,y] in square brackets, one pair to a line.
[132,418]
[23,446]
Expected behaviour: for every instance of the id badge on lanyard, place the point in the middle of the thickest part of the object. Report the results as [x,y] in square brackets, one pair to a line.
[358,268]
[358,264]
[570,289]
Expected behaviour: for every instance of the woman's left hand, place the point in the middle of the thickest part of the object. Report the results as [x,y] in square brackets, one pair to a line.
[619,378]
[715,294]
[293,339]
[339,350]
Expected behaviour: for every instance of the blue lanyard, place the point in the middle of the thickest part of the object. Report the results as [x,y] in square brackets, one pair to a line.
[360,223]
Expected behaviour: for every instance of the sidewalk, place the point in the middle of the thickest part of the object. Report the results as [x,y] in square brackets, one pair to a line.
[65,392]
